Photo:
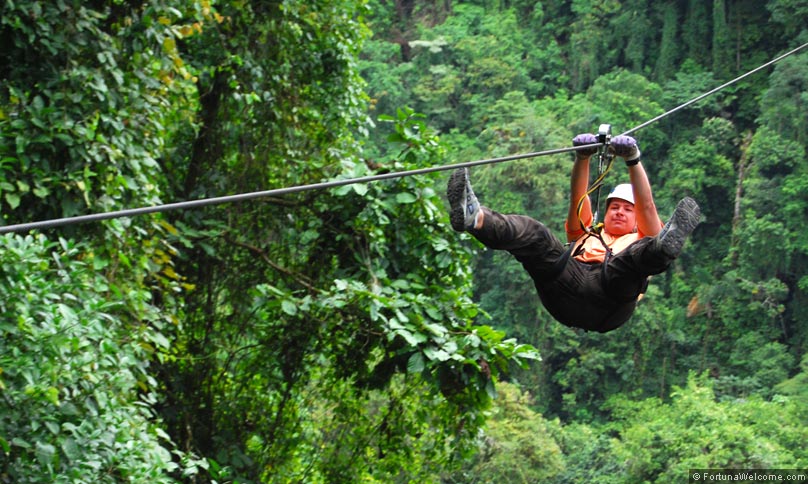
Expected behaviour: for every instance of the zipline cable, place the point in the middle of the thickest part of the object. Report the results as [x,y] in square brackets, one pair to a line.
[713,91]
[96,217]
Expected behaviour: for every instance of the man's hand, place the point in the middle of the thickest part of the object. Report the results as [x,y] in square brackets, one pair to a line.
[626,147]
[582,140]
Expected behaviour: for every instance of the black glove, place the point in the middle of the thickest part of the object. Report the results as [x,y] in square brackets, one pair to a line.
[582,140]
[626,147]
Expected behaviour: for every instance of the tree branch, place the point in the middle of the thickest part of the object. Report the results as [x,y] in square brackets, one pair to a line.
[303,281]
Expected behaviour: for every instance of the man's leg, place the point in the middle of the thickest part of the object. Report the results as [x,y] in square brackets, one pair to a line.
[527,239]
[682,223]
[627,272]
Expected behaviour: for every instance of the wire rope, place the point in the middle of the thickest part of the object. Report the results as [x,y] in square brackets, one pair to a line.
[131,212]
[715,90]
[190,204]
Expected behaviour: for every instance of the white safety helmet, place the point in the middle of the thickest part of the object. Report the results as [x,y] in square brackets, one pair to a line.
[623,192]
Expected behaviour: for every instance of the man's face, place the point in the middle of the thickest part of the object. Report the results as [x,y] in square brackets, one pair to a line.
[620,218]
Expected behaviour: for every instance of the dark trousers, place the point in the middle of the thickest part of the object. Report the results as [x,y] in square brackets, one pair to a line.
[594,297]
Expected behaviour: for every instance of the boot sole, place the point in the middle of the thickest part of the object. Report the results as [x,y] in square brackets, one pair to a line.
[455,192]
[684,220]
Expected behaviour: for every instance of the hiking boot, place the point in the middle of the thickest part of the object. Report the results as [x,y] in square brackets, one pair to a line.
[464,205]
[683,221]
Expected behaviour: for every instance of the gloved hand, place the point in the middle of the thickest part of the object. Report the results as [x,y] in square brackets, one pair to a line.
[626,147]
[585,139]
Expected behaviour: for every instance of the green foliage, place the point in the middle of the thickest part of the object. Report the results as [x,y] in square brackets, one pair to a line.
[721,40]
[517,446]
[593,57]
[763,365]
[373,290]
[698,169]
[796,388]
[668,49]
[783,104]
[618,98]
[90,98]
[83,108]
[634,25]
[695,29]
[74,371]
[465,63]
[789,13]
[588,456]
[663,441]
[777,166]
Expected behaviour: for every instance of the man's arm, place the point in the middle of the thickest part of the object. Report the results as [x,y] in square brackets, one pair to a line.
[579,182]
[648,220]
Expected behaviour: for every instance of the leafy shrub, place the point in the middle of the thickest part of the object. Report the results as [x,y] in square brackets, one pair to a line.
[76,397]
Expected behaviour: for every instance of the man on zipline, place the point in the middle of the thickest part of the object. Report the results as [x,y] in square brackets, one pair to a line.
[595,283]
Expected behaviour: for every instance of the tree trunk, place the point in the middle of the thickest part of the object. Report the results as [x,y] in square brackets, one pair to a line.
[743,164]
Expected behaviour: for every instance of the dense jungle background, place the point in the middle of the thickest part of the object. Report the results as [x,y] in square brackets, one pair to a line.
[348,334]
